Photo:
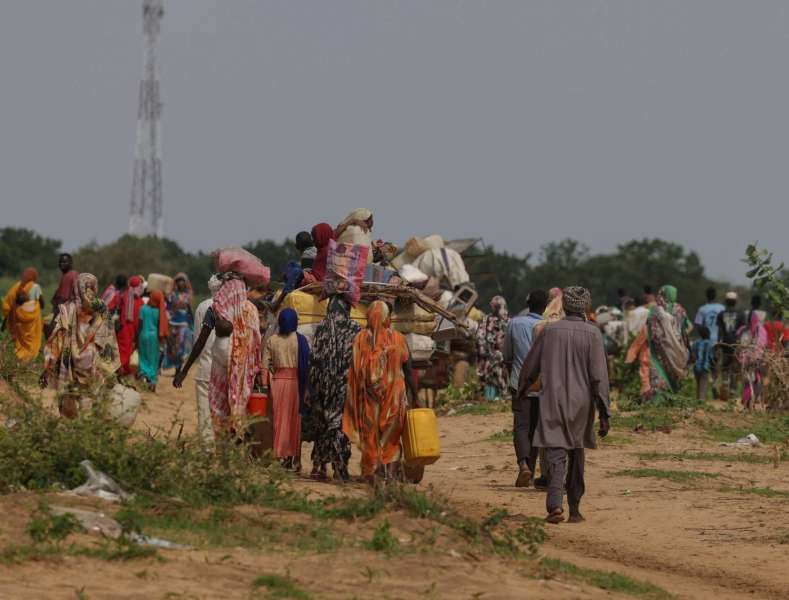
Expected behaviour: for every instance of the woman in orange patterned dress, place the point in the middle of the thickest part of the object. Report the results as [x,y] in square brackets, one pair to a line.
[379,376]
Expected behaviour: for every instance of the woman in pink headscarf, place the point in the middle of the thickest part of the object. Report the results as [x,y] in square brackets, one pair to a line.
[127,306]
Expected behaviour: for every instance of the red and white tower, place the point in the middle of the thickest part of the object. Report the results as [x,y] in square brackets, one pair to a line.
[146,197]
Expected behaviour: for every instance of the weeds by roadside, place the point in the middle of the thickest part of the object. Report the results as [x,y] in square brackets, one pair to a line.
[279,586]
[765,492]
[606,580]
[741,457]
[675,476]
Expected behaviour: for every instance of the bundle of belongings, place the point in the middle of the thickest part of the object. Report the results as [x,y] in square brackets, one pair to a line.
[426,284]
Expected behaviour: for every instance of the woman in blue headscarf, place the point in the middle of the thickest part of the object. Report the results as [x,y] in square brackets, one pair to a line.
[286,359]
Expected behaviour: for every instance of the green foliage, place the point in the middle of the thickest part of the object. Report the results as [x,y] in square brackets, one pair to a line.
[44,527]
[675,476]
[143,255]
[769,428]
[768,278]
[22,248]
[764,492]
[383,540]
[634,264]
[43,450]
[606,580]
[280,587]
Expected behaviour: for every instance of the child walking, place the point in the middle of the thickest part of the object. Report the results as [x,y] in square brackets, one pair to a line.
[703,353]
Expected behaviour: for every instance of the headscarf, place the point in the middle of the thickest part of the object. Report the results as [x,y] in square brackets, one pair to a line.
[214,283]
[359,215]
[231,304]
[293,276]
[130,296]
[576,300]
[157,301]
[667,297]
[378,319]
[28,275]
[86,291]
[499,307]
[182,276]
[288,323]
[322,234]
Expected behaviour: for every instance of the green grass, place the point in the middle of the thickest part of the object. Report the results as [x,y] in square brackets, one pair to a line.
[755,459]
[675,476]
[615,439]
[650,418]
[765,492]
[383,540]
[279,586]
[769,428]
[505,435]
[605,580]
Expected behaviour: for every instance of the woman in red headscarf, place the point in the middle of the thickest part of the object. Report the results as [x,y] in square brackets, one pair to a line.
[322,234]
[127,306]
[22,307]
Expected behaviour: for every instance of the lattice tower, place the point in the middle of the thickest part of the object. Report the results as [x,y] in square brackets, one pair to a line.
[146,196]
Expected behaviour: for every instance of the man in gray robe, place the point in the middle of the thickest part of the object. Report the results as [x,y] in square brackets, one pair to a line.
[570,356]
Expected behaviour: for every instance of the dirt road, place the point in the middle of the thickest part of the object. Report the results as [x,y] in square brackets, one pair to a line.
[696,536]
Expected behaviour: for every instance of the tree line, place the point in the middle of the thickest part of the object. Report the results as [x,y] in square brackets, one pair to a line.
[633,265]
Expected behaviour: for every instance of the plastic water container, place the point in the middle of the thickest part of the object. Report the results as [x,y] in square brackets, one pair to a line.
[421,444]
[257,406]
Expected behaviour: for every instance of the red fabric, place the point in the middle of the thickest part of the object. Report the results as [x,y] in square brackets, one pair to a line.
[66,288]
[127,334]
[777,333]
[156,300]
[322,234]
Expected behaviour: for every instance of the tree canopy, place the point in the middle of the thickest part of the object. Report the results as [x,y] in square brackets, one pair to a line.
[631,266]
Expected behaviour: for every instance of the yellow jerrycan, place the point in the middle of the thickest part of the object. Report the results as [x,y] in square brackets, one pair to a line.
[420,437]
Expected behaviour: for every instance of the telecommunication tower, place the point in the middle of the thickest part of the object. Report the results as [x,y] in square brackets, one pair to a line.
[146,196]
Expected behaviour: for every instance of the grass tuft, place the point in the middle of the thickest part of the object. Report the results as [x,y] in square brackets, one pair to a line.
[765,492]
[383,540]
[279,586]
[606,580]
[675,476]
[712,457]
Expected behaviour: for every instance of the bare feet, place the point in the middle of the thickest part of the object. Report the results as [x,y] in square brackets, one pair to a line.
[576,518]
[556,516]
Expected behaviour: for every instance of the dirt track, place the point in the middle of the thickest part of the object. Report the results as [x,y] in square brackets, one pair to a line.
[691,539]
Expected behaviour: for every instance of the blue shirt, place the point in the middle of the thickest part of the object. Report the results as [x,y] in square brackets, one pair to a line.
[703,351]
[520,335]
[708,316]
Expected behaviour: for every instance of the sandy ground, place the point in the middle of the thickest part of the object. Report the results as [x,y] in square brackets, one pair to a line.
[693,540]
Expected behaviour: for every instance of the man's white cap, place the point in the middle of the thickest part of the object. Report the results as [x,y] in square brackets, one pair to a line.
[731,295]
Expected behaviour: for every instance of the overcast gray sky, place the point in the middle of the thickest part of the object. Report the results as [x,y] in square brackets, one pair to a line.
[521,121]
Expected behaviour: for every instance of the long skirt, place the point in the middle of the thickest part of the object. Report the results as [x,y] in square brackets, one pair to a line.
[285,408]
[149,357]
[126,341]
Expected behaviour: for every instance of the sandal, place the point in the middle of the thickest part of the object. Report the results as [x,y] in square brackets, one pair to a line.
[556,516]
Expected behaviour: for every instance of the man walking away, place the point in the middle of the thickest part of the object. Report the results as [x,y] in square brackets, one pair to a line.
[570,358]
[707,315]
[525,411]
[730,321]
